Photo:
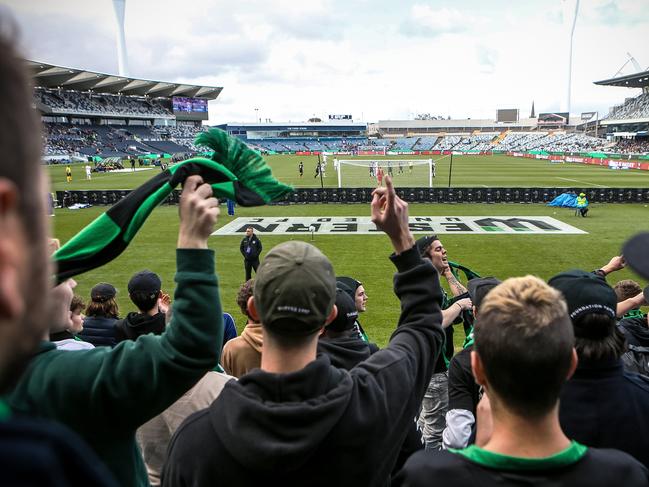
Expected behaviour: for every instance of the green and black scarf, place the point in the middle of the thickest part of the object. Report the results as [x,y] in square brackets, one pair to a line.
[235,172]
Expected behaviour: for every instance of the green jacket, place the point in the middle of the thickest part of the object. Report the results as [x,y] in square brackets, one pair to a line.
[106,394]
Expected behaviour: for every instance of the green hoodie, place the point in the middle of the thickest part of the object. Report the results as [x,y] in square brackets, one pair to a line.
[106,394]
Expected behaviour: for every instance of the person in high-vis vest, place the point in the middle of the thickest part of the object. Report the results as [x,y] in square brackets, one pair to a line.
[582,204]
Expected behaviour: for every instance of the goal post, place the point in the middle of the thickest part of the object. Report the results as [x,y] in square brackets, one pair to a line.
[387,165]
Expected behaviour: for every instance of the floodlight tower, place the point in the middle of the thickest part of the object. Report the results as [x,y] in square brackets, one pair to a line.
[570,11]
[122,55]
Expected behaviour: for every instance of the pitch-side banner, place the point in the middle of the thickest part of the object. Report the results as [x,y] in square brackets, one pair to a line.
[354,225]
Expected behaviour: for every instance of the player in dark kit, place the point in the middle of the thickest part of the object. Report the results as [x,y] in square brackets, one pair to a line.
[300,168]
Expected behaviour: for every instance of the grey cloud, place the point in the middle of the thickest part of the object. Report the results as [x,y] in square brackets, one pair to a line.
[49,38]
[170,60]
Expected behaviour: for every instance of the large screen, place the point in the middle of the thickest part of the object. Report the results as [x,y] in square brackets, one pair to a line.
[557,118]
[507,115]
[189,105]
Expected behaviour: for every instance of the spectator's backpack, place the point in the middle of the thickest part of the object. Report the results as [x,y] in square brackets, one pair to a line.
[636,359]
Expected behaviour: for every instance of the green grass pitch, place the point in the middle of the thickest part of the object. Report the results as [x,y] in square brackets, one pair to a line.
[365,257]
[478,171]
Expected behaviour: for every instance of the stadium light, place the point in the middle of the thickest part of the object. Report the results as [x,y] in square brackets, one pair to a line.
[122,55]
[569,20]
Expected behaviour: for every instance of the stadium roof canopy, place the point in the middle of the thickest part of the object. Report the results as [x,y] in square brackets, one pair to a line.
[637,80]
[52,76]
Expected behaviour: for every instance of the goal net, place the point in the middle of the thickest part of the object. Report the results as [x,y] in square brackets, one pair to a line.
[405,172]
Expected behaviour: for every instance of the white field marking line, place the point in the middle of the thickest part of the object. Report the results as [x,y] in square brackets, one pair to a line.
[579,181]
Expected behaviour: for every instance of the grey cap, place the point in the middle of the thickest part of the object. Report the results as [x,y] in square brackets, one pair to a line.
[295,289]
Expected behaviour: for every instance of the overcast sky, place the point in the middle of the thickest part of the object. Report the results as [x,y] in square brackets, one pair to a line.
[376,60]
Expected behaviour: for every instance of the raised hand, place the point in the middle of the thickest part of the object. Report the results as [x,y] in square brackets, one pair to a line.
[198,214]
[390,214]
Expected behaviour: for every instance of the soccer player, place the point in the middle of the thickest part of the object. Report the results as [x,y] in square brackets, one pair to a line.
[68,173]
[400,168]
[88,172]
[410,167]
[390,169]
[300,168]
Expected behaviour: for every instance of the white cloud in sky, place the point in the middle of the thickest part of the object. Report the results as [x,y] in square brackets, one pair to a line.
[378,59]
[425,20]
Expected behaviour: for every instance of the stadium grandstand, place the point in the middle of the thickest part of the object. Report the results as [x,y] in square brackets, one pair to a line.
[628,122]
[94,115]
[332,135]
[89,115]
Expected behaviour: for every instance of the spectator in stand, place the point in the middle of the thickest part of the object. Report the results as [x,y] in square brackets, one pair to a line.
[356,291]
[145,292]
[102,314]
[634,322]
[243,353]
[339,339]
[154,436]
[435,404]
[464,392]
[341,343]
[622,399]
[66,318]
[229,328]
[625,290]
[124,387]
[523,355]
[33,452]
[299,420]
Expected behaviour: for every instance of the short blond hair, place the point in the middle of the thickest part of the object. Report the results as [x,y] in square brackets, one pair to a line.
[524,338]
[528,297]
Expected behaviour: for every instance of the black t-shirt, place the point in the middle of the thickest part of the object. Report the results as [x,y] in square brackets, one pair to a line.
[577,466]
[463,392]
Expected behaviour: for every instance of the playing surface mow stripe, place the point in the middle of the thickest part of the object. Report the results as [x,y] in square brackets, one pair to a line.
[580,181]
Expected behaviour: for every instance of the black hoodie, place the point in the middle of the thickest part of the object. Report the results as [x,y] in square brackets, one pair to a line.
[320,426]
[136,324]
[635,331]
[346,352]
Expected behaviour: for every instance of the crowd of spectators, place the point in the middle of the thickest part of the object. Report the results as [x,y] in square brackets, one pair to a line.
[101,104]
[632,108]
[633,146]
[541,397]
[551,142]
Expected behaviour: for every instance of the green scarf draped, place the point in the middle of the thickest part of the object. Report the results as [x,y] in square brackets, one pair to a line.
[234,172]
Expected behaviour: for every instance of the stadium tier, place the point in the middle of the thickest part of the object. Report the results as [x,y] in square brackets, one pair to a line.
[632,108]
[90,114]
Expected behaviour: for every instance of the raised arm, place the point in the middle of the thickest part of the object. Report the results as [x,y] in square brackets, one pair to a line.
[402,369]
[457,288]
[138,379]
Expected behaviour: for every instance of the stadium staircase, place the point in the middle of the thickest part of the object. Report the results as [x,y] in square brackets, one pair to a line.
[500,137]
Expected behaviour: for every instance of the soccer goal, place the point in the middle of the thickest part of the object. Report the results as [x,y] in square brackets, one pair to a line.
[405,172]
